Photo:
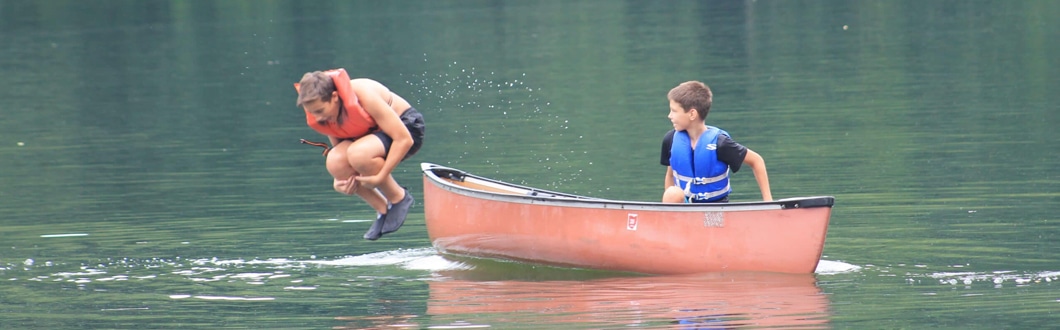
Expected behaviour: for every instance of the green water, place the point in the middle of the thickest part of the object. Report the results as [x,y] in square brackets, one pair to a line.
[151,176]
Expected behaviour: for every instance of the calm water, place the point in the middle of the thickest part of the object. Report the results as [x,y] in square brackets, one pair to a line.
[151,176]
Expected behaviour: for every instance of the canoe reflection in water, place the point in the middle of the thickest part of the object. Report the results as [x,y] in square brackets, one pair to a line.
[705,301]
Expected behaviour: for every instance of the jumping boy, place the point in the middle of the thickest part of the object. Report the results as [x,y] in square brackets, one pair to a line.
[371,130]
[698,157]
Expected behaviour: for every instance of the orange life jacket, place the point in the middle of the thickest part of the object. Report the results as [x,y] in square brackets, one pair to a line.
[357,123]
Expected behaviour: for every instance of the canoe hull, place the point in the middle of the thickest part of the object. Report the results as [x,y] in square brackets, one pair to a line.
[650,238]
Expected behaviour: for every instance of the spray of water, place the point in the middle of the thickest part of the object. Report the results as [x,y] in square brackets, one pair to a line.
[493,103]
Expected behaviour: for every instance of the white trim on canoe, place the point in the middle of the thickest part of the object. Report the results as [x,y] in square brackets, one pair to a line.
[512,193]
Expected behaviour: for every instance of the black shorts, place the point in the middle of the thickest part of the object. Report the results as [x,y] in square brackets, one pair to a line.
[723,200]
[413,121]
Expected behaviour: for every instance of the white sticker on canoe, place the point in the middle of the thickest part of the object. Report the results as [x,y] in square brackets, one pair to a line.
[714,219]
[631,221]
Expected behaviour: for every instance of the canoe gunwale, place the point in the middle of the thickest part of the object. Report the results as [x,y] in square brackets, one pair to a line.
[439,176]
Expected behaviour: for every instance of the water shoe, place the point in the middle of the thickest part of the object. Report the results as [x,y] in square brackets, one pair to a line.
[376,230]
[395,216]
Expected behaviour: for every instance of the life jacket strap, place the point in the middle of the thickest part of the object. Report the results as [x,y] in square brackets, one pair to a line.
[706,195]
[319,144]
[688,182]
[701,180]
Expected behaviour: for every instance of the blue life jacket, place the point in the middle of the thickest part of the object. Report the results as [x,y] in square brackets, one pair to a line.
[698,172]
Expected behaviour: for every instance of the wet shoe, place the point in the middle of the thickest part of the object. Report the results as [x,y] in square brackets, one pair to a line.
[395,216]
[376,230]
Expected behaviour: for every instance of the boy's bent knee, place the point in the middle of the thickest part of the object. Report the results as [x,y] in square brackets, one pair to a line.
[338,167]
[365,155]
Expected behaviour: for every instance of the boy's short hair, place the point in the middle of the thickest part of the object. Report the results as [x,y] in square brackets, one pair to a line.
[692,95]
[315,85]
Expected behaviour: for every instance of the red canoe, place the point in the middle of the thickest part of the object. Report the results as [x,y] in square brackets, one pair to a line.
[480,217]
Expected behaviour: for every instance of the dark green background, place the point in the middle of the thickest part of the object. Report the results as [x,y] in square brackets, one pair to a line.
[167,132]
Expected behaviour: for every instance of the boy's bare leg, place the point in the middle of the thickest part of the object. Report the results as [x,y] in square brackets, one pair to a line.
[365,156]
[339,167]
[360,158]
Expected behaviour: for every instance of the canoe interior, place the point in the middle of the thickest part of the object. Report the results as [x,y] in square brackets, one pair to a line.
[479,185]
[465,180]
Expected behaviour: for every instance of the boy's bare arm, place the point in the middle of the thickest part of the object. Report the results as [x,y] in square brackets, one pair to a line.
[758,165]
[669,178]
[368,92]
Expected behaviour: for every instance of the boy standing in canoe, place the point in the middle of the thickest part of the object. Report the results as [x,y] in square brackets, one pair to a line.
[698,157]
[371,130]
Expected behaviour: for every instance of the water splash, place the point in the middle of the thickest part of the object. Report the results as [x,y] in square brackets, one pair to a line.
[252,271]
[492,103]
[410,259]
[828,267]
[918,274]
[997,278]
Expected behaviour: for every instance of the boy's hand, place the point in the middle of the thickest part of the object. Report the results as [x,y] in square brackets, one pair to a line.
[346,186]
[371,181]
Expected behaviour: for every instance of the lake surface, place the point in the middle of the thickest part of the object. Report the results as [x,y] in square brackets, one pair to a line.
[151,175]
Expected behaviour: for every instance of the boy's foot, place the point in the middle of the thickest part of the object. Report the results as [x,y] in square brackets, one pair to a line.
[395,216]
[376,230]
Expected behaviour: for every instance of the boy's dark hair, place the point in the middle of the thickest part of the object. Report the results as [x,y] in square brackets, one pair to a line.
[692,95]
[315,85]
